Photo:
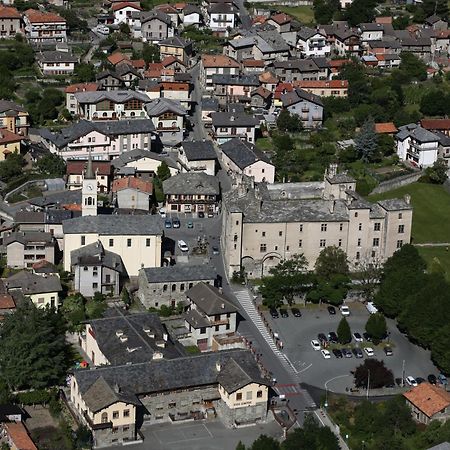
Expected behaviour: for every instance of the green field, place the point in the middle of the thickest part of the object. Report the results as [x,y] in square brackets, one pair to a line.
[437,258]
[304,14]
[431,211]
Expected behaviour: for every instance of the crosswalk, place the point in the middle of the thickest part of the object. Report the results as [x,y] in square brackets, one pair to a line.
[291,390]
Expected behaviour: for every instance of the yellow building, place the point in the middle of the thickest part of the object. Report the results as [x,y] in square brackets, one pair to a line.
[9,143]
[14,117]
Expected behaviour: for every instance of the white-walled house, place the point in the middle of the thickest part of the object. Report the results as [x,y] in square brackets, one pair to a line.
[192,15]
[221,17]
[125,12]
[216,65]
[417,145]
[371,31]
[56,63]
[197,156]
[229,125]
[312,43]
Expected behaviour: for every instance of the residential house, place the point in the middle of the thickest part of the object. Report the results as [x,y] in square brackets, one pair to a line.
[428,402]
[209,313]
[216,64]
[137,239]
[240,48]
[270,46]
[42,291]
[155,26]
[177,91]
[132,193]
[197,156]
[346,41]
[44,27]
[436,23]
[242,157]
[417,145]
[442,125]
[386,128]
[104,105]
[10,22]
[221,17]
[371,32]
[296,69]
[23,249]
[192,15]
[14,117]
[168,119]
[125,12]
[268,80]
[228,125]
[97,270]
[170,63]
[124,76]
[192,192]
[104,140]
[71,102]
[312,42]
[253,66]
[230,382]
[177,47]
[234,88]
[308,107]
[281,21]
[75,170]
[7,306]
[168,285]
[267,223]
[208,106]
[56,63]
[141,163]
[260,98]
[173,11]
[419,46]
[324,88]
[9,143]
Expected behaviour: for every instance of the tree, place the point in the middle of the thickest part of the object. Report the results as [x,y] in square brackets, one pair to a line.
[435,103]
[331,261]
[265,443]
[366,141]
[73,311]
[126,298]
[324,10]
[412,67]
[439,7]
[374,372]
[150,53]
[11,167]
[440,350]
[52,165]
[437,174]
[163,171]
[240,446]
[288,122]
[376,327]
[124,28]
[84,73]
[282,142]
[359,87]
[343,332]
[33,349]
[369,274]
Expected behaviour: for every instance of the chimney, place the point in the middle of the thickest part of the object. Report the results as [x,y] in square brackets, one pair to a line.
[407,199]
[218,366]
[332,206]
[116,388]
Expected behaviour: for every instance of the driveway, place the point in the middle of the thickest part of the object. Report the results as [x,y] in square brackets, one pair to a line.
[334,374]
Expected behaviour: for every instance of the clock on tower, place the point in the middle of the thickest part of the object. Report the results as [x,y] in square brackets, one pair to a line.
[89,191]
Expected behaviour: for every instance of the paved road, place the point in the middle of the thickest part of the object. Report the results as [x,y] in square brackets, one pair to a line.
[244,16]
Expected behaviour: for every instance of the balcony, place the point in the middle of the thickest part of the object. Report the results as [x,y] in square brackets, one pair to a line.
[96,426]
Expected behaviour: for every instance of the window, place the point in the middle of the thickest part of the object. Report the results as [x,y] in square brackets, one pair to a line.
[301,227]
[356,214]
[340,243]
[341,226]
[217,327]
[115,414]
[323,243]
[401,228]
[360,227]
[263,248]
[147,242]
[323,227]
[203,330]
[111,242]
[128,242]
[359,242]
[182,287]
[287,248]
[248,395]
[399,244]
[358,255]
[376,242]
[400,215]
[237,222]
[259,394]
[94,285]
[377,226]
[276,247]
[280,233]
[263,234]
[165,288]
[174,287]
[238,396]
[83,240]
[104,417]
[85,268]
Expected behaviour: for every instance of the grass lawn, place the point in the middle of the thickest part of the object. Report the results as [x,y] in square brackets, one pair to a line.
[437,258]
[431,214]
[304,14]
[264,143]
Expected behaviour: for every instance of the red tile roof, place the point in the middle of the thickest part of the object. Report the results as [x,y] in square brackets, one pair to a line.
[174,86]
[430,399]
[122,5]
[219,61]
[282,88]
[7,12]
[385,128]
[281,18]
[338,63]
[8,137]
[321,84]
[78,167]
[132,183]
[168,60]
[19,436]
[138,63]
[72,207]
[253,63]
[7,302]
[117,58]
[81,87]
[35,16]
[435,124]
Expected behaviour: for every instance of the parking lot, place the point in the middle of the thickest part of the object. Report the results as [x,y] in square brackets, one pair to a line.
[334,374]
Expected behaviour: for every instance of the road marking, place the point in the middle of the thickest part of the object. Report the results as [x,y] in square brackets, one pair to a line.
[305,369]
[335,378]
[209,432]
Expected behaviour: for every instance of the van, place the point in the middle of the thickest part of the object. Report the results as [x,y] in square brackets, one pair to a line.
[371,308]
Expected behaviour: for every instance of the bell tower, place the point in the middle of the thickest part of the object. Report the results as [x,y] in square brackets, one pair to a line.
[89,191]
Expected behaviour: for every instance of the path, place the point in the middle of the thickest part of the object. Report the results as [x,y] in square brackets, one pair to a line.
[433,244]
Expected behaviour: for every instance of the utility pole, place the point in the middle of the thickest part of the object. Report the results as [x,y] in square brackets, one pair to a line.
[368,383]
[403,373]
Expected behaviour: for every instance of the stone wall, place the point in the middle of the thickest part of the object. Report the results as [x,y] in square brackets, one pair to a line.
[114,436]
[395,183]
[241,416]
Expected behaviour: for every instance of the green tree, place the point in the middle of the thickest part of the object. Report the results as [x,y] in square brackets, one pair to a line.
[374,372]
[332,260]
[366,142]
[73,311]
[343,332]
[33,349]
[282,142]
[150,53]
[437,174]
[52,165]
[11,167]
[358,82]
[332,289]
[435,103]
[163,171]
[439,7]
[412,67]
[360,11]
[440,350]
[376,327]
[240,446]
[265,443]
[288,122]
[126,298]
[124,28]
[84,73]
[324,10]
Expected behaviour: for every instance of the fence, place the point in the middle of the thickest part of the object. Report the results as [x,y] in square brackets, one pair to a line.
[395,183]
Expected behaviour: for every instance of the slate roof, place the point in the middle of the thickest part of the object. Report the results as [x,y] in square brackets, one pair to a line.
[179,272]
[137,154]
[441,446]
[196,319]
[191,183]
[210,300]
[271,41]
[159,106]
[7,105]
[25,237]
[175,41]
[115,225]
[298,95]
[30,283]
[306,33]
[210,104]
[394,204]
[235,80]
[243,154]
[302,65]
[114,96]
[231,119]
[95,254]
[417,133]
[170,374]
[340,178]
[54,56]
[199,150]
[155,14]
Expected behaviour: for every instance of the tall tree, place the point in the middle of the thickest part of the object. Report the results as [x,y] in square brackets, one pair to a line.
[343,332]
[376,327]
[52,165]
[265,443]
[331,261]
[373,372]
[366,141]
[163,171]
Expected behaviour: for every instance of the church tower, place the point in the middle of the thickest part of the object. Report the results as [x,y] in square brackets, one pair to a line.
[89,191]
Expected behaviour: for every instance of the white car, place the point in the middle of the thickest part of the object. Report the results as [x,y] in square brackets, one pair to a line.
[371,308]
[369,351]
[102,29]
[345,311]
[326,354]
[183,246]
[411,381]
[162,213]
[357,337]
[315,344]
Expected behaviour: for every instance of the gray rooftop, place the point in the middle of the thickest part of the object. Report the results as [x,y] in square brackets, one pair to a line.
[395,204]
[210,300]
[95,254]
[138,154]
[299,95]
[417,133]
[230,119]
[243,153]
[92,97]
[159,106]
[24,237]
[199,150]
[53,56]
[30,283]
[114,225]
[7,105]
[180,272]
[192,183]
[302,65]
[175,41]
[155,14]
[235,80]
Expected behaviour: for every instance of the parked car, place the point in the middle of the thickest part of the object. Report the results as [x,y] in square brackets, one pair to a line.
[358,352]
[331,310]
[367,337]
[176,223]
[337,353]
[284,313]
[442,379]
[326,354]
[168,223]
[274,313]
[332,337]
[322,339]
[345,311]
[420,380]
[315,344]
[296,312]
[432,379]
[215,250]
[183,246]
[371,308]
[102,29]
[162,212]
[190,224]
[411,381]
[357,337]
[201,215]
[369,351]
[388,351]
[347,353]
